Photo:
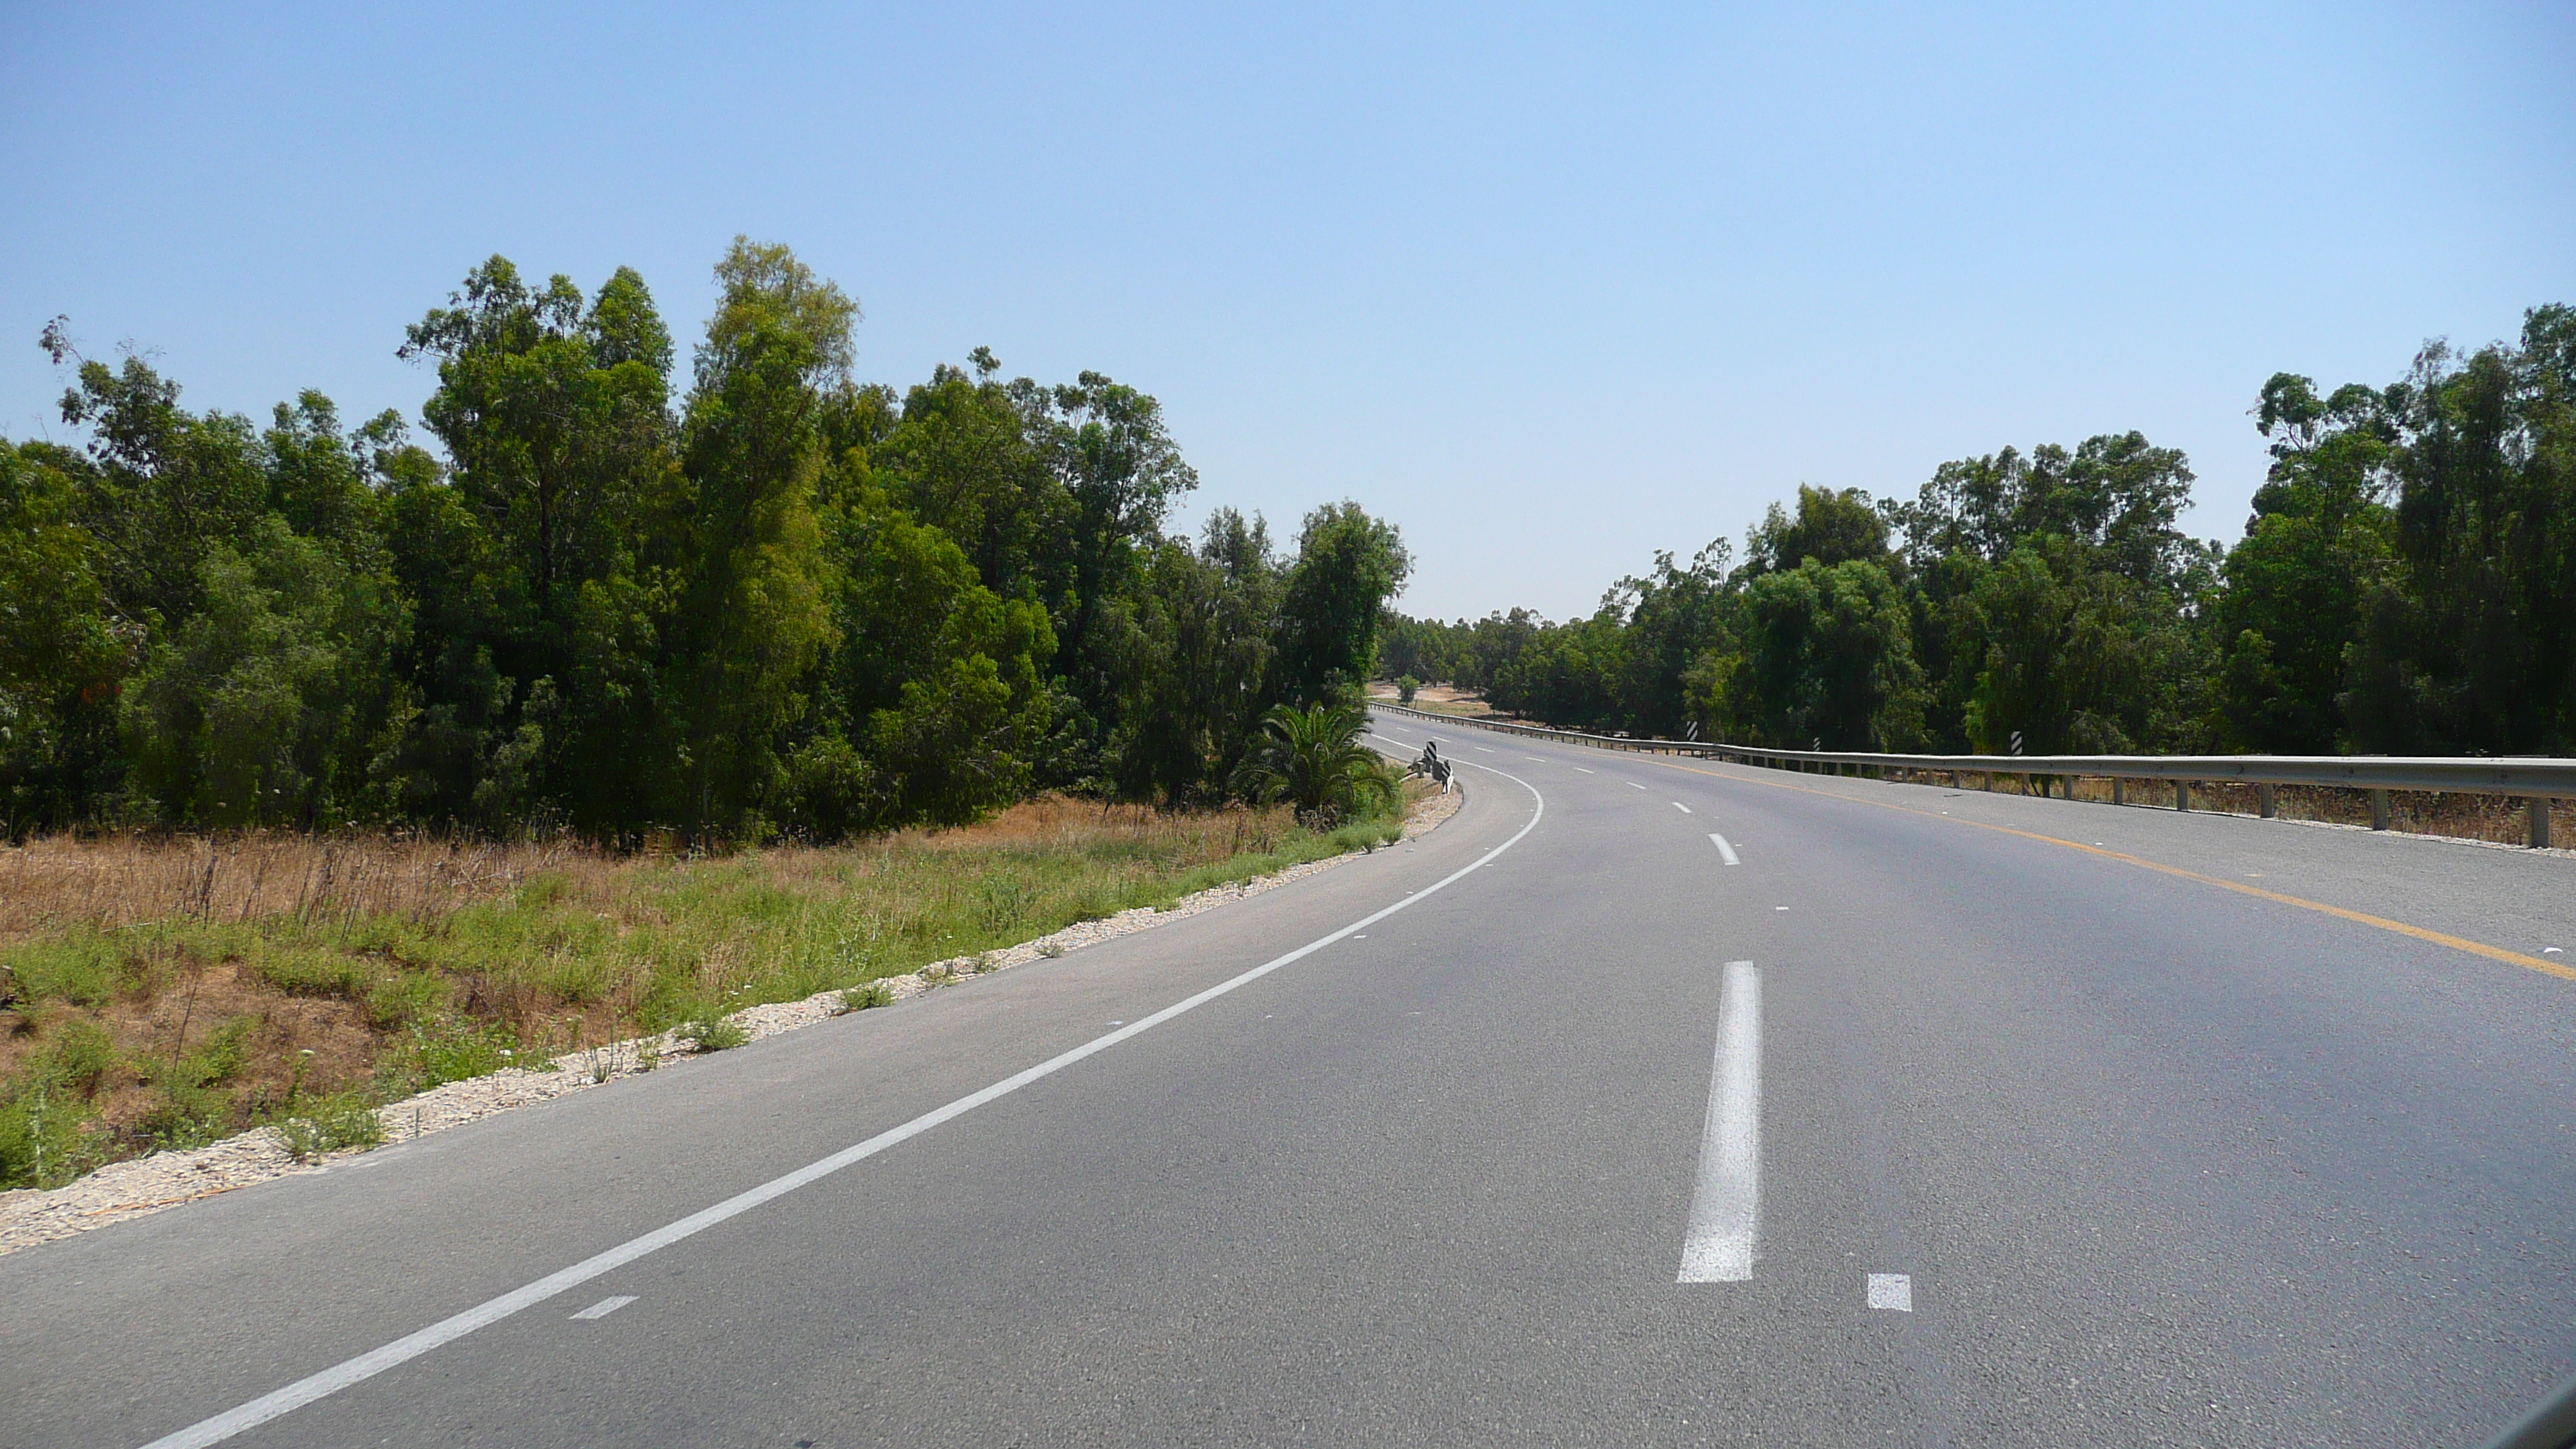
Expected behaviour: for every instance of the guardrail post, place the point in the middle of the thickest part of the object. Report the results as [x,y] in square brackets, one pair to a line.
[2379,809]
[2182,794]
[2539,808]
[2263,801]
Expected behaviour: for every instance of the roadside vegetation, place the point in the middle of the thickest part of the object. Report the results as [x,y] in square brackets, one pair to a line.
[2406,584]
[337,762]
[751,599]
[168,991]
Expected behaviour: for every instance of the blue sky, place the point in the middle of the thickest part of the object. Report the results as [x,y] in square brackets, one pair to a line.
[1552,289]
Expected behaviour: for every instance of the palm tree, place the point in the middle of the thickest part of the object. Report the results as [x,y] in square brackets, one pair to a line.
[1313,759]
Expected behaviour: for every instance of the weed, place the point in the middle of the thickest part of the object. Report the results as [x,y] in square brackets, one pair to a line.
[399,1000]
[330,1124]
[712,1033]
[84,967]
[868,995]
[309,968]
[445,1049]
[1051,949]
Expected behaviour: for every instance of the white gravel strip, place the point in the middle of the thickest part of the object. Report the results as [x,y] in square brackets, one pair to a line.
[144,1185]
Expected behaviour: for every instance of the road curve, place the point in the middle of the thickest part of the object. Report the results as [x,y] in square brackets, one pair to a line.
[1969,1120]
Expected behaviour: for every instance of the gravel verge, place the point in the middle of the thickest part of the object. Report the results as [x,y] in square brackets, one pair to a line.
[165,1180]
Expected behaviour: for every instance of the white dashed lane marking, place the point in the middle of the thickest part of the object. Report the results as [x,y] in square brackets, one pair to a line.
[1724,1210]
[1891,1292]
[606,1306]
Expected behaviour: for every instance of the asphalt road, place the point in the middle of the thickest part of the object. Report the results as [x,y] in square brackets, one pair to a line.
[2131,1157]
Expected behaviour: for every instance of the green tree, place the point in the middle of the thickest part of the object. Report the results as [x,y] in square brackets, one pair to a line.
[543,561]
[932,704]
[62,658]
[1673,616]
[1830,527]
[270,704]
[2468,643]
[1827,654]
[974,458]
[159,487]
[1204,623]
[753,615]
[2074,659]
[2318,541]
[1348,567]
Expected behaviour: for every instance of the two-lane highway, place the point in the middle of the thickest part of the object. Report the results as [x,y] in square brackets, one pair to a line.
[1672,1103]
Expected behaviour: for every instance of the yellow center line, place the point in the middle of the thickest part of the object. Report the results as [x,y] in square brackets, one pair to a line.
[2363,918]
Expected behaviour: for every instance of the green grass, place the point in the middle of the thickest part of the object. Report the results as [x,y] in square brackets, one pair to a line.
[589,949]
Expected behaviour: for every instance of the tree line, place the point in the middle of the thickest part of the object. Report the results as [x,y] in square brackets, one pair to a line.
[767,598]
[2406,585]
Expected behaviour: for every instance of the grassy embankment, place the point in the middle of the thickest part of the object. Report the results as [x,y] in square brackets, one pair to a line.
[170,992]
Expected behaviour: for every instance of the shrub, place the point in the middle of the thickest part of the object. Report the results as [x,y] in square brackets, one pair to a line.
[712,1033]
[448,1049]
[329,1124]
[410,996]
[1312,758]
[870,994]
[84,967]
[312,970]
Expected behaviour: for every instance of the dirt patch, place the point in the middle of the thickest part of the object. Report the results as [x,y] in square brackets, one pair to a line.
[1441,699]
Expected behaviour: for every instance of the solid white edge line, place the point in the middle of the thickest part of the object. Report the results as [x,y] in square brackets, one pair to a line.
[1726,1208]
[1724,850]
[447,1330]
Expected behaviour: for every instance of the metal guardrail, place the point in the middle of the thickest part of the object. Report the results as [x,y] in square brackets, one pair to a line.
[2536,780]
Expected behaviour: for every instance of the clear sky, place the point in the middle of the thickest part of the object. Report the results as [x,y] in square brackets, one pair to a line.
[1552,289]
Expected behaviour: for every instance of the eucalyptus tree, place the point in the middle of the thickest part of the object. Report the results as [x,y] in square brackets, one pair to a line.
[535,664]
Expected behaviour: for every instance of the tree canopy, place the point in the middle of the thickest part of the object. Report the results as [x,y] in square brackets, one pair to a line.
[2406,584]
[763,598]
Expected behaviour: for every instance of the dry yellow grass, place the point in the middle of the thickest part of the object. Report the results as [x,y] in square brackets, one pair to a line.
[175,989]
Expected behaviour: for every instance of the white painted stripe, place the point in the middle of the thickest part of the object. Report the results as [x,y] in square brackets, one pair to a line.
[1891,1292]
[1480,749]
[1725,1209]
[1533,759]
[1581,771]
[1723,849]
[606,1306]
[1685,809]
[1631,784]
[482,1315]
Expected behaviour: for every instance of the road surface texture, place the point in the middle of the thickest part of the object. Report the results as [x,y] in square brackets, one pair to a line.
[1716,1105]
